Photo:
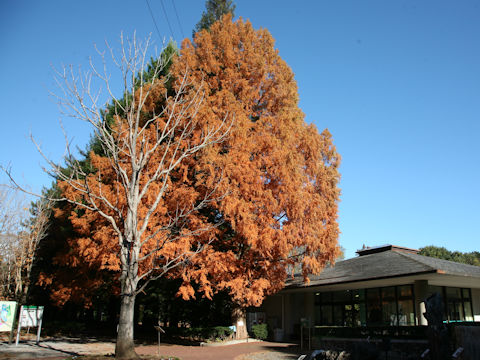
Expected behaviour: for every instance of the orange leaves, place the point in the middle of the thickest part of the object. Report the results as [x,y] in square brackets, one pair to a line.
[275,176]
[279,175]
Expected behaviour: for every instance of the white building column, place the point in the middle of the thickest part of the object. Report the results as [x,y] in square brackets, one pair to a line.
[420,289]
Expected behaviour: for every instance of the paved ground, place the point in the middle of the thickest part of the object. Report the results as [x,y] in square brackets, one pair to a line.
[59,348]
[64,348]
[254,350]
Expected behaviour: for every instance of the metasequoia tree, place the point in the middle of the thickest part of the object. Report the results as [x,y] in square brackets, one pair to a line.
[134,209]
[280,175]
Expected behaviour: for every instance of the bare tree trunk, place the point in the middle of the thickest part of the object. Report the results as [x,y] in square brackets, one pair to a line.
[125,348]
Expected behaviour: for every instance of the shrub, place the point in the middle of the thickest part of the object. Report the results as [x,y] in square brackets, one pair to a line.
[202,333]
[260,331]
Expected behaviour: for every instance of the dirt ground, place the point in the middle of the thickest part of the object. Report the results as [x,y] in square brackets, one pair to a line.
[70,348]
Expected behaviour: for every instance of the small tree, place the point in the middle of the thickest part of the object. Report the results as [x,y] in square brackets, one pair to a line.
[136,215]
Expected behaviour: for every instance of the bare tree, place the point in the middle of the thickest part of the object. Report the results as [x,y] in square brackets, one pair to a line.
[19,240]
[142,148]
[28,242]
[12,216]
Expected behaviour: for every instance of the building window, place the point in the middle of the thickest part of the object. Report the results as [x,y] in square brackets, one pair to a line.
[388,306]
[458,304]
[457,301]
[406,307]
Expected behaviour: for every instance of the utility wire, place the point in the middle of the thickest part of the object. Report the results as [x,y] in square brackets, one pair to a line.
[178,19]
[153,18]
[166,17]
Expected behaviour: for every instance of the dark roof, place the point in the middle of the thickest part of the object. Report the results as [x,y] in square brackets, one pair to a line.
[386,264]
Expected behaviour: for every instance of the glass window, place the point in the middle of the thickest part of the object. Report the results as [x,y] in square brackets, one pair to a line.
[389,306]
[405,292]
[458,304]
[406,312]
[358,295]
[362,315]
[455,311]
[342,297]
[453,294]
[338,315]
[318,320]
[350,314]
[326,315]
[468,311]
[374,309]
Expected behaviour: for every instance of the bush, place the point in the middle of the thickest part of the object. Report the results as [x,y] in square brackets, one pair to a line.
[214,333]
[260,331]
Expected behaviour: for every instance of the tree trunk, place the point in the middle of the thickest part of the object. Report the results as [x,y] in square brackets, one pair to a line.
[125,348]
[240,322]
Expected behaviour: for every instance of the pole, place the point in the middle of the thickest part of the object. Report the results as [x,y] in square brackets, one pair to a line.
[19,325]
[309,338]
[301,337]
[39,314]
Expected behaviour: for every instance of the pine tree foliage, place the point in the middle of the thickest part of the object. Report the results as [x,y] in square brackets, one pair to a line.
[215,9]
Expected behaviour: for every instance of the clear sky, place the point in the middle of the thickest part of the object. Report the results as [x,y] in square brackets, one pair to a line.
[397,83]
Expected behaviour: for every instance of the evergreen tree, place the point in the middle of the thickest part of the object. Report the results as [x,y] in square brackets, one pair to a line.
[215,10]
[471,258]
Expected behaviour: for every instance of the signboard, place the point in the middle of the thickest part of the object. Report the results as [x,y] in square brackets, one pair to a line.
[30,316]
[7,315]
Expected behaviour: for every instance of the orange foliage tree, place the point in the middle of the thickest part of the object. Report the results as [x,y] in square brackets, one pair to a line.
[232,211]
[280,175]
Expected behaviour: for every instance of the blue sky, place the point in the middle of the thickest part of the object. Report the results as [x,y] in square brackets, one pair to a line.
[397,83]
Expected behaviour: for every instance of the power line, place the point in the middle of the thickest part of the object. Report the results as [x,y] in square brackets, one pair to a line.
[178,19]
[153,18]
[166,17]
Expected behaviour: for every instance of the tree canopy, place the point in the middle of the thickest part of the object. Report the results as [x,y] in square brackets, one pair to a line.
[470,258]
[277,175]
[280,175]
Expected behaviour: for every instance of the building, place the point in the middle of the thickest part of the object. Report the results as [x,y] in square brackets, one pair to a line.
[384,286]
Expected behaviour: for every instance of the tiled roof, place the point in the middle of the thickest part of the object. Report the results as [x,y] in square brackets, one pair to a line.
[449,267]
[384,265]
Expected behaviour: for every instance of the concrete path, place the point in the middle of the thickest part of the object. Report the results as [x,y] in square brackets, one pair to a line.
[60,348]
